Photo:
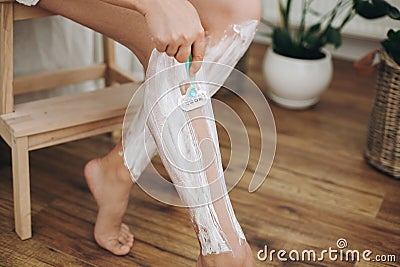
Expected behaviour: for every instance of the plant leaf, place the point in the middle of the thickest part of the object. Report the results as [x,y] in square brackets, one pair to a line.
[390,10]
[394,36]
[333,36]
[282,41]
[392,45]
[393,49]
[311,42]
[393,12]
[314,12]
[349,16]
[314,28]
[368,10]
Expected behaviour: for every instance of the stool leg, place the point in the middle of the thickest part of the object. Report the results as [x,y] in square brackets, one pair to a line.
[21,187]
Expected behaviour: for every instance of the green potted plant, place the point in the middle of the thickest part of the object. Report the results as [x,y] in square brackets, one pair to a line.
[297,67]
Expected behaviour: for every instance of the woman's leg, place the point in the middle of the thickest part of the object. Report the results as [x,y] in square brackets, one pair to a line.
[108,179]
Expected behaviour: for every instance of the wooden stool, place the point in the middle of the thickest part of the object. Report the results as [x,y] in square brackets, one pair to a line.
[56,120]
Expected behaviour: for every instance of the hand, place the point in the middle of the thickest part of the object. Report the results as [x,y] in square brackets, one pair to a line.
[176,29]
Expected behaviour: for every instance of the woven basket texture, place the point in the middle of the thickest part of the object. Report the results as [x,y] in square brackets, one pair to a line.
[383,141]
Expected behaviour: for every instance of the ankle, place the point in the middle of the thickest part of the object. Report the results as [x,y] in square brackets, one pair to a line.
[114,162]
[123,174]
[221,260]
[110,168]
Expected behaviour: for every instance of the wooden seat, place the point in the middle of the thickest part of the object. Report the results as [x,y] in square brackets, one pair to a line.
[51,121]
[47,122]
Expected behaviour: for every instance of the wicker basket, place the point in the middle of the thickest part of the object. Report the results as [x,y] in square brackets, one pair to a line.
[383,141]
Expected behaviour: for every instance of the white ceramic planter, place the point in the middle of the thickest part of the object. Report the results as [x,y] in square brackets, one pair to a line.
[296,83]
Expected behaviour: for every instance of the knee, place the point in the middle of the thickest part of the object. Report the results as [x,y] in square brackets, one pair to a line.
[231,11]
[243,10]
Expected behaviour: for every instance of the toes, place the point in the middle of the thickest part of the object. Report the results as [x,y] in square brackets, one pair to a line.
[126,231]
[122,240]
[127,235]
[117,248]
[119,243]
[125,228]
[126,238]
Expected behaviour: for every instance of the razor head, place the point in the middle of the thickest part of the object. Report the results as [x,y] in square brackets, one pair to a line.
[193,99]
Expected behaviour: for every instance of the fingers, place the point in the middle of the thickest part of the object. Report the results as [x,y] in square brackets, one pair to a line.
[172,48]
[161,45]
[183,53]
[184,87]
[198,51]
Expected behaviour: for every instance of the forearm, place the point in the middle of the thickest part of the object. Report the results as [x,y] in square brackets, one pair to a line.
[137,5]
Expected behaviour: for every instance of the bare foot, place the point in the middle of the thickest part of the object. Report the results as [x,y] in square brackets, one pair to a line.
[241,257]
[110,185]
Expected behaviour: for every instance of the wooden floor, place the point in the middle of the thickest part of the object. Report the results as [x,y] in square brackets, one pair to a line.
[319,190]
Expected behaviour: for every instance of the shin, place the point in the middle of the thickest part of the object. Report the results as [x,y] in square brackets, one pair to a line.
[187,141]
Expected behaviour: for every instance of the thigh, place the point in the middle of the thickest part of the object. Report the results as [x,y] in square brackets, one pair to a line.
[123,25]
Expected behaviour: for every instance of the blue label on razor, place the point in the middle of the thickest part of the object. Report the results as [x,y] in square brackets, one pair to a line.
[193,92]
